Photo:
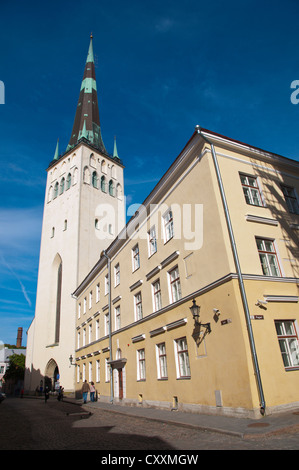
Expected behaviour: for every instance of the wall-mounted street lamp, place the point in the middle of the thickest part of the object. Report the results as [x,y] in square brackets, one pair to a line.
[195,309]
[71,361]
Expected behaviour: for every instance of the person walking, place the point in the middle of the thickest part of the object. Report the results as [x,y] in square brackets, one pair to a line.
[47,394]
[85,390]
[92,391]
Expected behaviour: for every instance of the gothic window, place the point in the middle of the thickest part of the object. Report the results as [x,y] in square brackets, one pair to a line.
[62,186]
[68,181]
[94,179]
[111,188]
[113,172]
[118,191]
[103,184]
[50,193]
[104,167]
[86,175]
[56,190]
[58,303]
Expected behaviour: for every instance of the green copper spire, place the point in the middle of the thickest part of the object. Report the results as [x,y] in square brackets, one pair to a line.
[87,118]
[90,57]
[115,154]
[56,155]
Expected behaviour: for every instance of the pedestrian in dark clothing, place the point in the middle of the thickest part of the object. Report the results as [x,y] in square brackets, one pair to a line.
[60,393]
[46,394]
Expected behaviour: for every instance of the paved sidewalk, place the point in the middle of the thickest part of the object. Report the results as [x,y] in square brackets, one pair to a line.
[240,427]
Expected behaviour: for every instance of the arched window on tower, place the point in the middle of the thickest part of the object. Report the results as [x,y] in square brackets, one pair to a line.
[58,303]
[94,179]
[111,188]
[103,184]
[56,190]
[119,191]
[104,167]
[68,181]
[62,186]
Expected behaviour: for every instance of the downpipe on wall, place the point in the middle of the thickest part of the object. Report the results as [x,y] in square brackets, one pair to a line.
[239,273]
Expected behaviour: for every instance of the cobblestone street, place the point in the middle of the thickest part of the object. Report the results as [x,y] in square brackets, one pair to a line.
[32,424]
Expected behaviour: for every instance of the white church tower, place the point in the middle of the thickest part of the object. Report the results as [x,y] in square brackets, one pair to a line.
[83,212]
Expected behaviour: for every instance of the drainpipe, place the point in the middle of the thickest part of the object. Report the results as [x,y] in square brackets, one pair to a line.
[239,273]
[110,322]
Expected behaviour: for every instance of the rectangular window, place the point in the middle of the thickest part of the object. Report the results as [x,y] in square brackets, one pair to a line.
[97,329]
[268,257]
[291,199]
[107,370]
[251,190]
[84,305]
[117,317]
[288,343]
[135,258]
[90,371]
[152,241]
[106,284]
[182,358]
[116,275]
[84,336]
[174,284]
[161,361]
[79,310]
[98,369]
[107,324]
[138,306]
[90,333]
[98,292]
[157,299]
[83,372]
[78,340]
[90,299]
[141,364]
[168,226]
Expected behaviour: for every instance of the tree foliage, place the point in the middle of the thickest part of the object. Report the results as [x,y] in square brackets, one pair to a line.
[16,368]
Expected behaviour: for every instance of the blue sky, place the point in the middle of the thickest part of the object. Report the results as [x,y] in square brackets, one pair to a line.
[162,67]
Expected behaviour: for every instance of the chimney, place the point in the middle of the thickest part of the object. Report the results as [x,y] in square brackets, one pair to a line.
[19,338]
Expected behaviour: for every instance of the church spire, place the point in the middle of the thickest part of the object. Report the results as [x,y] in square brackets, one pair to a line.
[87,118]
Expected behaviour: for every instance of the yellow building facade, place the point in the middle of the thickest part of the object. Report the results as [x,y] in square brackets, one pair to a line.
[220,228]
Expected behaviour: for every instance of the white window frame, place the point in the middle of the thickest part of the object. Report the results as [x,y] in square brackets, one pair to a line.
[138,306]
[135,258]
[90,371]
[90,333]
[98,292]
[117,317]
[79,310]
[157,296]
[161,358]
[288,343]
[107,370]
[141,371]
[252,192]
[84,305]
[106,324]
[106,284]
[97,329]
[152,241]
[291,198]
[98,370]
[78,339]
[174,284]
[116,275]
[268,256]
[84,337]
[182,358]
[168,227]
[90,299]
